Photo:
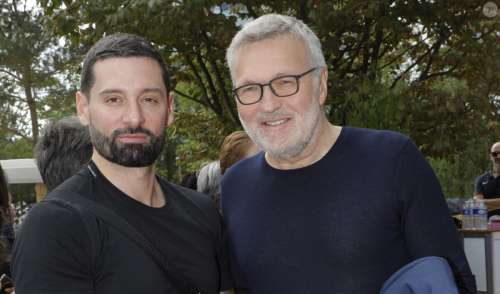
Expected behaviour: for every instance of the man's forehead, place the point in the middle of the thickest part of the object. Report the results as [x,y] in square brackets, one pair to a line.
[270,57]
[496,147]
[120,59]
[140,71]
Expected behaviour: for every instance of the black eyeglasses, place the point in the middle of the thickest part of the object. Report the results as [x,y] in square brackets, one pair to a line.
[281,87]
[494,154]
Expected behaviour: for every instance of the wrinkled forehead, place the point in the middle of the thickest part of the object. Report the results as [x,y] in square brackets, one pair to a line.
[240,51]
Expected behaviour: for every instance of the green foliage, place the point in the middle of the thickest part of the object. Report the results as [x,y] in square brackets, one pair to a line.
[376,106]
[426,68]
[23,192]
[458,172]
[14,148]
[30,70]
[193,140]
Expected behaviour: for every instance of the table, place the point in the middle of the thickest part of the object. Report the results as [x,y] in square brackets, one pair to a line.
[482,249]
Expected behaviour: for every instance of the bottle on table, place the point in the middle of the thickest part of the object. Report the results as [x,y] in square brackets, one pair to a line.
[481,217]
[467,217]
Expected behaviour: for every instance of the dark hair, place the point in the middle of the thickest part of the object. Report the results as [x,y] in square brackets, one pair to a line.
[119,45]
[62,149]
[189,180]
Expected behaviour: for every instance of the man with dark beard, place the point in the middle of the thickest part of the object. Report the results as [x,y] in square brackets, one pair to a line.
[487,186]
[124,99]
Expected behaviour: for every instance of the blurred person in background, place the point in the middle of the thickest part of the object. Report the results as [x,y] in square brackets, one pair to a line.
[6,222]
[64,147]
[236,146]
[487,185]
[208,181]
[189,180]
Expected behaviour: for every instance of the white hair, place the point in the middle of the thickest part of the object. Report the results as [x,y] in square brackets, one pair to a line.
[272,26]
[208,180]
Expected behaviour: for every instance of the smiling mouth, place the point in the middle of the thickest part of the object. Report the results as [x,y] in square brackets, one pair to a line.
[275,122]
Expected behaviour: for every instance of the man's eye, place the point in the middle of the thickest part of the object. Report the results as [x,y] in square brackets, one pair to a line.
[249,89]
[150,100]
[113,100]
[285,81]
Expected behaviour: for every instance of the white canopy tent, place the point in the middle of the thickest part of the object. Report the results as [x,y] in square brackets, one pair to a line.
[21,171]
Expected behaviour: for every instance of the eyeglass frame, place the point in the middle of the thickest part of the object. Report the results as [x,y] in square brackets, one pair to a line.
[296,77]
[495,154]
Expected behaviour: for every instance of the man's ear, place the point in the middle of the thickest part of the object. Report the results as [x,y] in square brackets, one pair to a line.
[82,108]
[323,85]
[170,109]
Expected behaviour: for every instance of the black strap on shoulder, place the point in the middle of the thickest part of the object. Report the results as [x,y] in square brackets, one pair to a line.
[112,219]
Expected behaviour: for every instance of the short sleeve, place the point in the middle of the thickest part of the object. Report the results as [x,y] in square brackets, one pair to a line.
[428,227]
[51,253]
[478,187]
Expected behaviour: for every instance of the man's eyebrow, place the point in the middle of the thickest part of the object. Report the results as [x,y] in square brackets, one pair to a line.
[276,75]
[145,90]
[154,89]
[110,91]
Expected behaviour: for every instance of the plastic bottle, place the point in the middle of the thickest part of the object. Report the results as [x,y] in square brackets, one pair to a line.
[481,219]
[474,213]
[466,215]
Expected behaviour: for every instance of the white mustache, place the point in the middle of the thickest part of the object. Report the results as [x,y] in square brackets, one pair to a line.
[265,116]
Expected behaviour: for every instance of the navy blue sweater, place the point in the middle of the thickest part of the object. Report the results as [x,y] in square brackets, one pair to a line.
[341,225]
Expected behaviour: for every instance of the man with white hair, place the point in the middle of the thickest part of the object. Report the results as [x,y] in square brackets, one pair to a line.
[325,208]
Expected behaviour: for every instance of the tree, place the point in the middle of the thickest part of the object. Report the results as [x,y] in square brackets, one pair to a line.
[30,70]
[379,44]
[426,68]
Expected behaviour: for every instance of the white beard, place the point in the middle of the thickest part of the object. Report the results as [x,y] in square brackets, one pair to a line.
[293,146]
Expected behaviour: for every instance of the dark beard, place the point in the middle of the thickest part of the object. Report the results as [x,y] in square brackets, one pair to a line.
[130,155]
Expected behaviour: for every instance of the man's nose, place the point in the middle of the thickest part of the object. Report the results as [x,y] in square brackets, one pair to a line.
[269,101]
[133,116]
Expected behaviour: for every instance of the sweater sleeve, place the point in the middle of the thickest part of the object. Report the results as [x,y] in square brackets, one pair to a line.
[428,227]
[52,253]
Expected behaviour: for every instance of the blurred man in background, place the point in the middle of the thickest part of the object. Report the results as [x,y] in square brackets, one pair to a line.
[487,186]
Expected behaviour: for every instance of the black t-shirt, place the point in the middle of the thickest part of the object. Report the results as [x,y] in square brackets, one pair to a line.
[54,252]
[489,187]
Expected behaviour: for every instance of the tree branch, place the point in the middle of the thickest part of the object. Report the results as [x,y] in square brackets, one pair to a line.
[442,73]
[404,52]
[214,101]
[199,80]
[18,133]
[435,50]
[399,77]
[10,74]
[220,79]
[189,97]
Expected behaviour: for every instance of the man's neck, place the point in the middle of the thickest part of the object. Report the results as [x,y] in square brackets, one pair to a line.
[137,182]
[326,136]
[495,171]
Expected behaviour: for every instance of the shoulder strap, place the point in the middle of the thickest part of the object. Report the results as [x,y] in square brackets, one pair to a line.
[112,219]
